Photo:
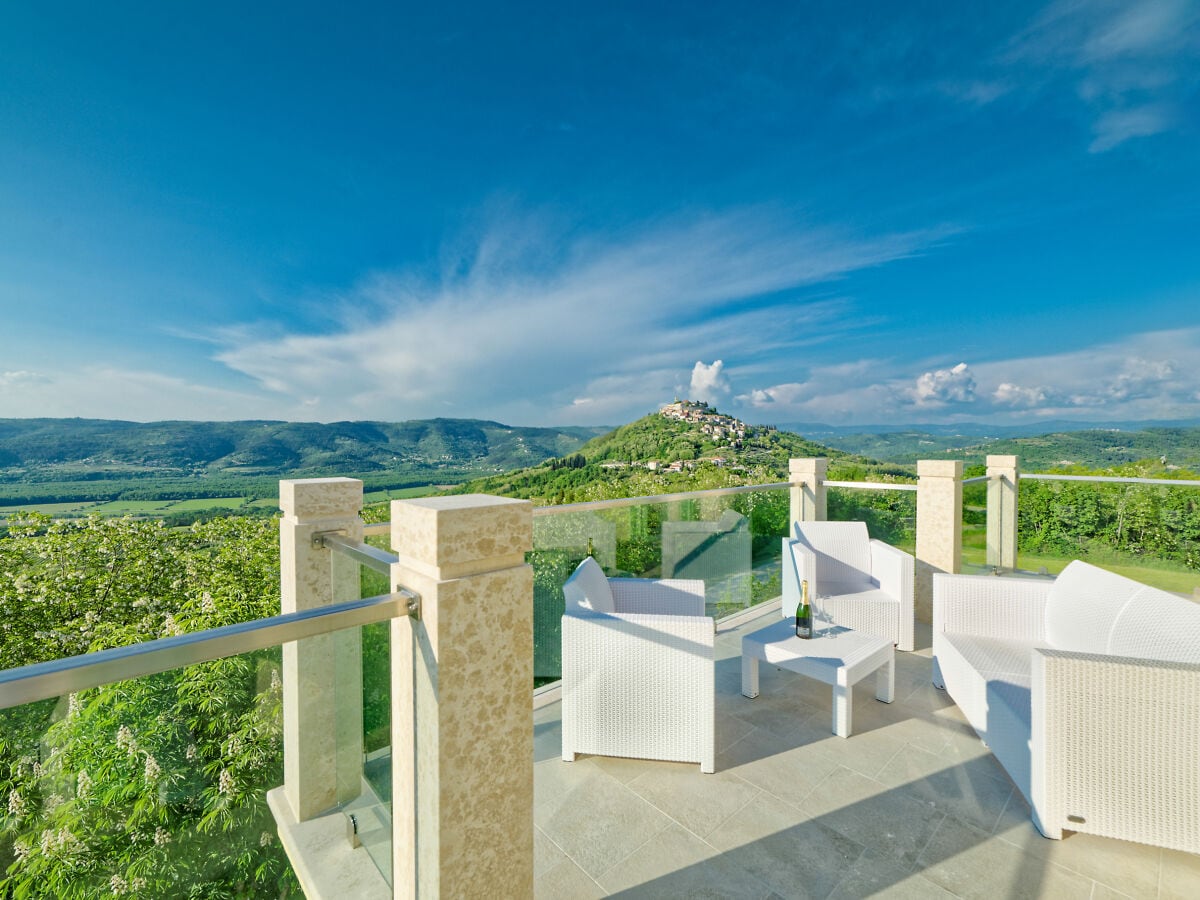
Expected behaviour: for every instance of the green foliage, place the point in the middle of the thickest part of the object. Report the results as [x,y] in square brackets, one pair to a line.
[152,787]
[1078,519]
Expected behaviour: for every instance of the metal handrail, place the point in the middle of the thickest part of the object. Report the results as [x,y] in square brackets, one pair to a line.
[977,479]
[871,485]
[655,498]
[373,558]
[1109,479]
[42,681]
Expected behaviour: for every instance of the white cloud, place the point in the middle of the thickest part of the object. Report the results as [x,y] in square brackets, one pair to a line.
[709,382]
[1119,125]
[21,378]
[944,386]
[108,392]
[1008,394]
[524,324]
[1133,64]
[1152,375]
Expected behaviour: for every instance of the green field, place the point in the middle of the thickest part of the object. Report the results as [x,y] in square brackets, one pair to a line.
[130,507]
[1153,572]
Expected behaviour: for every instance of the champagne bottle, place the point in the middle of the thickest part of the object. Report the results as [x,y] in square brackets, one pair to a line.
[804,613]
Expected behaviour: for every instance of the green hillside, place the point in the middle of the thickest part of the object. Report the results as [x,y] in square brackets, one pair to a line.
[93,460]
[1093,448]
[655,454]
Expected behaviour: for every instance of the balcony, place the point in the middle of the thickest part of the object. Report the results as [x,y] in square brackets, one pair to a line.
[911,804]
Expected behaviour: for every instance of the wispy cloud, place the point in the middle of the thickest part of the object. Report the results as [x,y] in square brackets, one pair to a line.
[1153,375]
[1132,64]
[526,325]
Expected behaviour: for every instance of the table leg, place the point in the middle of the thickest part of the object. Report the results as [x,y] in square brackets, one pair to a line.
[885,680]
[843,713]
[749,676]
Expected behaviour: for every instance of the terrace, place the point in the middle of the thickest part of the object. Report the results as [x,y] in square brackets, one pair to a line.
[911,804]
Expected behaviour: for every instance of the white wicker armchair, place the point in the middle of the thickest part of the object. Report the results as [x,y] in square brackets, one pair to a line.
[855,581]
[637,668]
[1087,690]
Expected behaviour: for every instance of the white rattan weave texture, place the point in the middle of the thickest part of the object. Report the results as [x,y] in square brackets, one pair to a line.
[638,683]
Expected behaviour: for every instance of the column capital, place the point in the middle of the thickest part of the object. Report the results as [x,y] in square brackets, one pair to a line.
[1001,462]
[313,499]
[939,468]
[812,465]
[461,535]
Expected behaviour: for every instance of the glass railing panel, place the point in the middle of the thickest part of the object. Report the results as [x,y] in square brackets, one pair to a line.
[891,515]
[156,786]
[729,541]
[1149,533]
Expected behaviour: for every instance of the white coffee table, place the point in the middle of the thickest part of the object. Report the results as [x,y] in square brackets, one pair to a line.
[834,655]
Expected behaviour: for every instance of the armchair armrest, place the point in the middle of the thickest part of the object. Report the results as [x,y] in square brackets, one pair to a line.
[892,568]
[662,596]
[991,606]
[1115,745]
[799,564]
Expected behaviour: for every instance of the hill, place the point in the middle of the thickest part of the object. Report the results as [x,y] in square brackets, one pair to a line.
[1094,448]
[682,447]
[49,460]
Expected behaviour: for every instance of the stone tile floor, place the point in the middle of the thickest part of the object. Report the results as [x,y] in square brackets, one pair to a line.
[911,805]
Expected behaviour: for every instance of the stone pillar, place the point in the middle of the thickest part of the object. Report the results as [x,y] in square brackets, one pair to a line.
[462,726]
[808,489]
[939,527]
[1002,490]
[322,675]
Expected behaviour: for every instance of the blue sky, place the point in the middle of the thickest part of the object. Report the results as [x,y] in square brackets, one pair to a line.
[571,213]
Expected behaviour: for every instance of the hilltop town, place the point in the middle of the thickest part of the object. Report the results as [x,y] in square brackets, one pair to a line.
[718,426]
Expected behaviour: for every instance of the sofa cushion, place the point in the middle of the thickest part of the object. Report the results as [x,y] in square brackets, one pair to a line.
[843,553]
[1083,605]
[588,589]
[1157,625]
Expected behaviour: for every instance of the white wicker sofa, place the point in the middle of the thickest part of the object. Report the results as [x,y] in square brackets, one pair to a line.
[1087,691]
[638,669]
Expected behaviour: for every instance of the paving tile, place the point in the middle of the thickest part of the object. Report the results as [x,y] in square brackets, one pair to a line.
[566,881]
[697,801]
[553,778]
[968,790]
[1180,876]
[968,862]
[776,843]
[547,741]
[876,875]
[546,854]
[781,768]
[624,769]
[1104,892]
[888,822]
[1122,865]
[599,822]
[729,730]
[675,863]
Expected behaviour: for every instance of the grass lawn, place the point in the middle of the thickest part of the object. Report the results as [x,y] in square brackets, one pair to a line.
[130,507]
[425,490]
[51,509]
[208,503]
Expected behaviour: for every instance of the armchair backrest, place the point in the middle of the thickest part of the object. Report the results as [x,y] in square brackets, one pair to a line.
[842,551]
[588,590]
[1091,610]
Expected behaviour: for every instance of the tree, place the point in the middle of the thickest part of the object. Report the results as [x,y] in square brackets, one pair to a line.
[152,787]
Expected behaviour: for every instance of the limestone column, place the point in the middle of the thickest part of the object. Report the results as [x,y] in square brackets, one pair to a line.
[939,527]
[1002,490]
[462,725]
[808,489]
[322,675]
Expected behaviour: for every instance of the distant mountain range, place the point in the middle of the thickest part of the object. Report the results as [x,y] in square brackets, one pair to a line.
[102,448]
[1095,448]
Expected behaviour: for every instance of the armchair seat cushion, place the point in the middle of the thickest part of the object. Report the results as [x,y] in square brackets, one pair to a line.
[861,608]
